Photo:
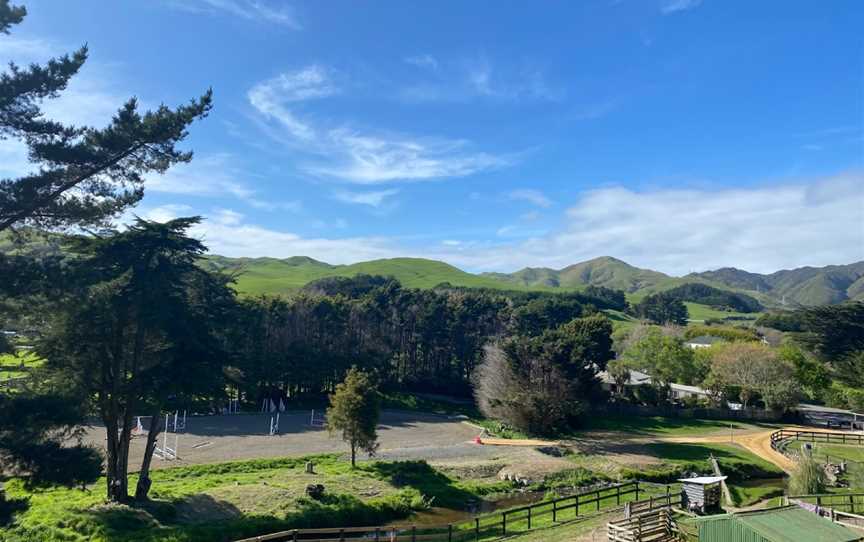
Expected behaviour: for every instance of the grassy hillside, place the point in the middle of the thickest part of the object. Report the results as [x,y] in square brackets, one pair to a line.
[803,286]
[256,276]
[603,271]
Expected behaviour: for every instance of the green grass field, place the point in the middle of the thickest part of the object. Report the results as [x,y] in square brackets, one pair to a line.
[272,276]
[833,451]
[18,365]
[751,478]
[227,501]
[659,426]
[700,313]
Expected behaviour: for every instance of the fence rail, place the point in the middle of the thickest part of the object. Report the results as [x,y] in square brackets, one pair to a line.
[780,436]
[844,502]
[493,525]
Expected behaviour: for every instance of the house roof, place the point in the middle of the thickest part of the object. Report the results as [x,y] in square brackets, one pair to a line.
[636,378]
[789,524]
[689,389]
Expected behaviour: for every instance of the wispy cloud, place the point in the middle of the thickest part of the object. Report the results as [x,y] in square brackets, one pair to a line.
[423,61]
[252,10]
[213,176]
[23,50]
[354,155]
[534,197]
[669,7]
[465,79]
[373,199]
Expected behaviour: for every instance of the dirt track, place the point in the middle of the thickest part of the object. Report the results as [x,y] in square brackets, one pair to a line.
[758,443]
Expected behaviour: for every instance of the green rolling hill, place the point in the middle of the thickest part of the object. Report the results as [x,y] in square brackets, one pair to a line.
[256,276]
[805,286]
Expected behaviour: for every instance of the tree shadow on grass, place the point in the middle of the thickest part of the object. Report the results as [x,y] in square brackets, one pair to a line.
[10,507]
[420,476]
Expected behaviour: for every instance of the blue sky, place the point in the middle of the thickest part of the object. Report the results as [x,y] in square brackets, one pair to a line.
[679,135]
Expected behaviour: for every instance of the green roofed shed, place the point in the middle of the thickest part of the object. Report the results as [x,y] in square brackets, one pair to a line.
[789,524]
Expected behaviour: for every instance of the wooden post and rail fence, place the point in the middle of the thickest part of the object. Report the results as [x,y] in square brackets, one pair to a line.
[498,524]
[782,435]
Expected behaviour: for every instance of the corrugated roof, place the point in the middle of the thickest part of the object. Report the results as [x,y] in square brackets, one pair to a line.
[704,480]
[791,524]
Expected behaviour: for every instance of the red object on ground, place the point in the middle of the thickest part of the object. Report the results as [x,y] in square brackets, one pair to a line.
[478,440]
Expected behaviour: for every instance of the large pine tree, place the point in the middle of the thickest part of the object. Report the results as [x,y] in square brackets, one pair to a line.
[82,176]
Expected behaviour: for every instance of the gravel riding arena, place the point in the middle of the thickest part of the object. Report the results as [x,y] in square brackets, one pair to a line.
[402,435]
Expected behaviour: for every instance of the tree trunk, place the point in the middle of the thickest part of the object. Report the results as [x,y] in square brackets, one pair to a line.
[115,472]
[144,482]
[353,454]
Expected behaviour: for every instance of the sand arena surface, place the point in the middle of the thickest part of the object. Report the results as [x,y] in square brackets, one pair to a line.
[402,435]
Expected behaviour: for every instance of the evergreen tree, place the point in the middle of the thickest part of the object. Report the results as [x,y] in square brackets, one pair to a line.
[146,331]
[354,411]
[662,309]
[82,175]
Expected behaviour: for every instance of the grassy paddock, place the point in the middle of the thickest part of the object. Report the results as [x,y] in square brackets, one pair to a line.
[667,427]
[227,501]
[751,478]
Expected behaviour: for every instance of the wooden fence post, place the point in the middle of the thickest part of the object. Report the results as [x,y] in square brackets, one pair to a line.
[577,505]
[413,533]
[476,528]
[503,523]
[617,495]
[341,535]
[637,490]
[449,532]
[554,510]
[294,535]
[529,518]
[598,500]
[377,534]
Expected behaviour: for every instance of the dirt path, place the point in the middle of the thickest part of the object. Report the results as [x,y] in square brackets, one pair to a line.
[758,443]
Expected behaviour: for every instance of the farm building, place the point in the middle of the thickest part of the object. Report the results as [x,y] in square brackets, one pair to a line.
[788,524]
[701,493]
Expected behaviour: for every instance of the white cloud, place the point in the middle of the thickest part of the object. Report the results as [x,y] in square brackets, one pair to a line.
[373,199]
[212,176]
[271,98]
[227,217]
[760,229]
[365,159]
[534,197]
[209,175]
[353,155]
[673,6]
[26,50]
[466,79]
[252,10]
[162,213]
[423,61]
[249,240]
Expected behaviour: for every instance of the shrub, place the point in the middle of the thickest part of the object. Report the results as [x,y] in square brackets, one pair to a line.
[808,477]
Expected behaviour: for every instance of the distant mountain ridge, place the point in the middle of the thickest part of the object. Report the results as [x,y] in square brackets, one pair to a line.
[805,286]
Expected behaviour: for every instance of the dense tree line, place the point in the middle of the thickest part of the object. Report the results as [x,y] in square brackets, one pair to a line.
[662,309]
[416,339]
[721,299]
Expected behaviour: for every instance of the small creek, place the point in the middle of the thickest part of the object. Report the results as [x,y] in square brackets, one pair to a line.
[437,515]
